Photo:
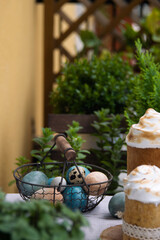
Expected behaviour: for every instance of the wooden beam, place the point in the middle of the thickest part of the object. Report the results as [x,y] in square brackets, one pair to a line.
[48,57]
[120,3]
[98,14]
[123,13]
[156,3]
[67,19]
[75,25]
[66,53]
[59,4]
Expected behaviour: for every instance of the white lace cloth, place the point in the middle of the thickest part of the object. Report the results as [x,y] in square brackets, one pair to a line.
[140,232]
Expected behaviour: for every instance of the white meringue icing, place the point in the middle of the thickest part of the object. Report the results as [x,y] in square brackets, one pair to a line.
[143,184]
[145,134]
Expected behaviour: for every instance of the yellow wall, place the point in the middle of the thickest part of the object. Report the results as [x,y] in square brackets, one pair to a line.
[17,83]
[21,82]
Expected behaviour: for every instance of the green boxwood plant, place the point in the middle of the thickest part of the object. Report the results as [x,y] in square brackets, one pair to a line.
[86,86]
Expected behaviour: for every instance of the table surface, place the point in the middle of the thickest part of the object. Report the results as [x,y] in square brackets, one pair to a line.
[99,218]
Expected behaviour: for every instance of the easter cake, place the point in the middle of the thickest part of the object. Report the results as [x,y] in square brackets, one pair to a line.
[142,204]
[143,141]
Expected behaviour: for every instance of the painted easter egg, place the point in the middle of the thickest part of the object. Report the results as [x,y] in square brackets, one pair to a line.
[57,180]
[73,176]
[75,198]
[92,181]
[50,194]
[116,205]
[31,179]
[50,180]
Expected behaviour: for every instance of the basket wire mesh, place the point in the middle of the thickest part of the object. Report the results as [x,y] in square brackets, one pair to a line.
[82,196]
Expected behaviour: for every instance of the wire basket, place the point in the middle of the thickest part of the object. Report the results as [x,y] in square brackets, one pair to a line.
[77,191]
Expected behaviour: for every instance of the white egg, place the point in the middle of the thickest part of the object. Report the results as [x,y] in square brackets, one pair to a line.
[57,180]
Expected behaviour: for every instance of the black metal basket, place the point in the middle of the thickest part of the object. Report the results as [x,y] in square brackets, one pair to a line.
[82,196]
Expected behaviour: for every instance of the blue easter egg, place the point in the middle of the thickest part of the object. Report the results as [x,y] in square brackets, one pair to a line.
[117,204]
[74,177]
[86,171]
[50,180]
[75,198]
[31,179]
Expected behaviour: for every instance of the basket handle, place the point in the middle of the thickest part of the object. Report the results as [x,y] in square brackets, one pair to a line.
[64,146]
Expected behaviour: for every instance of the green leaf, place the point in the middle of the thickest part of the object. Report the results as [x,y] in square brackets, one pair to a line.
[39,141]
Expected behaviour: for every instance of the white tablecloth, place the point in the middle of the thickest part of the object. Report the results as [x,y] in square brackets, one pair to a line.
[99,218]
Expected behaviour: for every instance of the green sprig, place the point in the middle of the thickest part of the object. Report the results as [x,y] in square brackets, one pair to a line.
[39,220]
[109,142]
[146,87]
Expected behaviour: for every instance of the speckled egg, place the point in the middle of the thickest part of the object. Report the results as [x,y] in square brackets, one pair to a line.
[50,194]
[75,198]
[116,205]
[57,180]
[92,179]
[74,177]
[31,179]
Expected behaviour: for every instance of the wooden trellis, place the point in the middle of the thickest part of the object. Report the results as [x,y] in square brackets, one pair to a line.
[53,43]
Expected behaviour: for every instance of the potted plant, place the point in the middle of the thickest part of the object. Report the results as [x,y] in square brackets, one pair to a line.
[86,86]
